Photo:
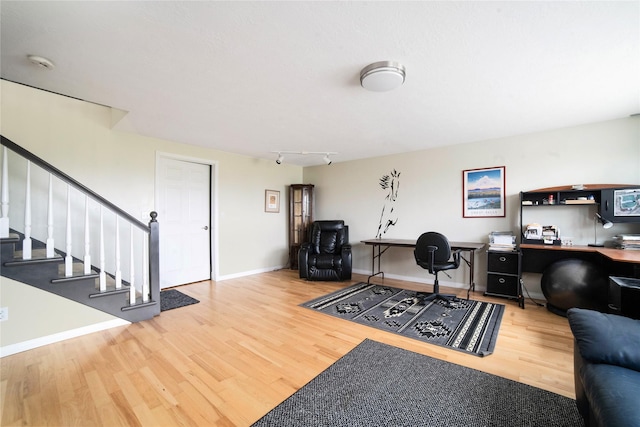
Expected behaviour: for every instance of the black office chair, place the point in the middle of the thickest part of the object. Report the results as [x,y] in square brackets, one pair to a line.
[433,253]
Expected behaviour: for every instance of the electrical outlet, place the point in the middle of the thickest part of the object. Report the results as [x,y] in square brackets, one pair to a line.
[4,314]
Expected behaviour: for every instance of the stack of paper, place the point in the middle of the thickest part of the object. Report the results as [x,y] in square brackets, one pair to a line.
[502,241]
[627,241]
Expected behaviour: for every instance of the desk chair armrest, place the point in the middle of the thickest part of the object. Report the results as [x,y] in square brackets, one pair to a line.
[432,258]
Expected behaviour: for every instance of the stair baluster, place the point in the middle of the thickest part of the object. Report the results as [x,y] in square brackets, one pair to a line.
[132,290]
[4,196]
[68,259]
[26,243]
[87,238]
[145,273]
[118,273]
[50,243]
[103,275]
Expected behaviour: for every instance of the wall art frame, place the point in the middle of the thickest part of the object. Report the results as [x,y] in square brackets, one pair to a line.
[483,192]
[272,201]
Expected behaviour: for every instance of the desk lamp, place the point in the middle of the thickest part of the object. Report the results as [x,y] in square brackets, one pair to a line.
[605,224]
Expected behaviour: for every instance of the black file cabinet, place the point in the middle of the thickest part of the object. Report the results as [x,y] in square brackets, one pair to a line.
[503,275]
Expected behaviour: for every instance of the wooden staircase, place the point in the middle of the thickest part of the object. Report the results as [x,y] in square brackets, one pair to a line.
[33,262]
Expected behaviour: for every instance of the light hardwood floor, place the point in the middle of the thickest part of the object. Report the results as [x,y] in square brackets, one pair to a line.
[246,347]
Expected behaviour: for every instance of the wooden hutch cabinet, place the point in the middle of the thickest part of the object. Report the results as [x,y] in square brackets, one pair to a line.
[300,219]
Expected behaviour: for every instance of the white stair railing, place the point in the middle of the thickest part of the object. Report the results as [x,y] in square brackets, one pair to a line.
[42,192]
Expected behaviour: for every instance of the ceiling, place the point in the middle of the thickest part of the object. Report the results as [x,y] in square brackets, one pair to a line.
[257,76]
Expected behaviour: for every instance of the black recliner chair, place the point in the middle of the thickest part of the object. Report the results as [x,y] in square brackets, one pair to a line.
[433,252]
[327,256]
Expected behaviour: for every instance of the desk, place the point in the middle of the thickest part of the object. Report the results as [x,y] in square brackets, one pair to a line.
[549,254]
[588,288]
[382,245]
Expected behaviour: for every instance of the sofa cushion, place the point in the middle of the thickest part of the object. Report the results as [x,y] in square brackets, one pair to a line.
[606,338]
[613,393]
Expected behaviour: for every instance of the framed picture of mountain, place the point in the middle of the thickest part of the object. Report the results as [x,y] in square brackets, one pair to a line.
[483,192]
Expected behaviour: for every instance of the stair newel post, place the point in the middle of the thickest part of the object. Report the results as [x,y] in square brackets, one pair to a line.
[87,238]
[103,275]
[68,259]
[118,270]
[26,243]
[4,196]
[154,257]
[50,243]
[132,289]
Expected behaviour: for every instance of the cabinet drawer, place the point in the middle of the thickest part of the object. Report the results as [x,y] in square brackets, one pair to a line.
[502,262]
[502,285]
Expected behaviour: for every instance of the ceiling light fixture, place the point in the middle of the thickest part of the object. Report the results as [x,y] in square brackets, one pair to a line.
[326,154]
[382,76]
[41,62]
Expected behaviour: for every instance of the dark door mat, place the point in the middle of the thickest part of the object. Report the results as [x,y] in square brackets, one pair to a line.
[172,298]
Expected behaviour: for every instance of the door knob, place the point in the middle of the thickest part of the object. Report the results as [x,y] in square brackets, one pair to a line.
[206,227]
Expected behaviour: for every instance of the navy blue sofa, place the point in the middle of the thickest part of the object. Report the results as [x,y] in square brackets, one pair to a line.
[606,368]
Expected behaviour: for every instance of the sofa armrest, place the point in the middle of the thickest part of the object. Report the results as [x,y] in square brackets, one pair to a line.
[346,256]
[303,260]
[606,338]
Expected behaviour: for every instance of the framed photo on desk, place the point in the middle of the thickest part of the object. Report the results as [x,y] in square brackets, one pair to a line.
[483,192]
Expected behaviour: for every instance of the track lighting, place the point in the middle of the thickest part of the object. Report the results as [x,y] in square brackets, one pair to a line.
[325,158]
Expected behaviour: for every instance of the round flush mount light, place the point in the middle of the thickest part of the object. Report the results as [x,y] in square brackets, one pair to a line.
[382,76]
[41,62]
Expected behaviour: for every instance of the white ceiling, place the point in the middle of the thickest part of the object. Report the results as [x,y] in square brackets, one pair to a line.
[255,77]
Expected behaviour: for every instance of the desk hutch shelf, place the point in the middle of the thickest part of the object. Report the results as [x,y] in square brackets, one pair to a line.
[564,197]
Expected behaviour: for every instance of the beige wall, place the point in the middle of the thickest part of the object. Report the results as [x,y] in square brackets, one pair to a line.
[76,138]
[430,192]
[44,315]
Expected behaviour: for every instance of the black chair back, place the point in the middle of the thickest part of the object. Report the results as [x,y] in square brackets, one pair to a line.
[432,238]
[328,237]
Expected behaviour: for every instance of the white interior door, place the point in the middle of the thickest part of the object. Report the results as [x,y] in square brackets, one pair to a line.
[185,221]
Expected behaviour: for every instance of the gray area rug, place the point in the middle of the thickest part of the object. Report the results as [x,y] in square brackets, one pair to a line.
[172,298]
[380,385]
[465,325]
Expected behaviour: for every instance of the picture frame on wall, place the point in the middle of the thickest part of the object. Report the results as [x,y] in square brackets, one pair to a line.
[271,201]
[483,192]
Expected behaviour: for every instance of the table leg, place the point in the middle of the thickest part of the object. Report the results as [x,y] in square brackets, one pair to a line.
[373,262]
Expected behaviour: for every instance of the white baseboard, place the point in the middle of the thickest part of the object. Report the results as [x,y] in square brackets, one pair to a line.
[61,336]
[248,273]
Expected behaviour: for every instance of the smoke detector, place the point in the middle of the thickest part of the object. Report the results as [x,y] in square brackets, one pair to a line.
[41,62]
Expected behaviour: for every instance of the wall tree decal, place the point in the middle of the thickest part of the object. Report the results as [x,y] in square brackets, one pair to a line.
[390,183]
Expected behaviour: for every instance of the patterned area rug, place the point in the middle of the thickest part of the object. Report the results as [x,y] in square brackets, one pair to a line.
[172,298]
[466,325]
[377,384]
